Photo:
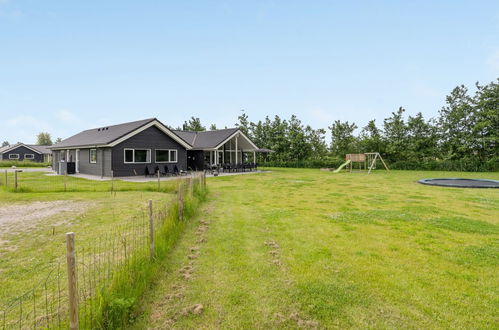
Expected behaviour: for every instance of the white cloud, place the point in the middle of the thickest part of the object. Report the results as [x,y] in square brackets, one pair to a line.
[26,122]
[67,116]
[23,128]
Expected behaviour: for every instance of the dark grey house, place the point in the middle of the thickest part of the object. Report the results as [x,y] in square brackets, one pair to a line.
[128,149]
[218,147]
[27,152]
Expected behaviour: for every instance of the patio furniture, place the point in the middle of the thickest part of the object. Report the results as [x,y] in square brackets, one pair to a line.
[175,170]
[162,170]
[150,170]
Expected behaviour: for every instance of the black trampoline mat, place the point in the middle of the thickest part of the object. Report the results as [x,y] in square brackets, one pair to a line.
[461,183]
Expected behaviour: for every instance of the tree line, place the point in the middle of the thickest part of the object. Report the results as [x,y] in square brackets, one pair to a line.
[464,136]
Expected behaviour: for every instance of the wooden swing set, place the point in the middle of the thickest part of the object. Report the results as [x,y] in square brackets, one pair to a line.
[365,161]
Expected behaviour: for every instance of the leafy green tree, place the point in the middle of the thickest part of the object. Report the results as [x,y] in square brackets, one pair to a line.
[486,121]
[278,139]
[58,140]
[342,139]
[44,139]
[455,124]
[193,124]
[422,138]
[316,138]
[243,123]
[5,143]
[213,127]
[395,135]
[370,138]
[299,147]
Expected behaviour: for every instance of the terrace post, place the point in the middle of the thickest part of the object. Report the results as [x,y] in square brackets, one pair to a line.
[236,150]
[72,285]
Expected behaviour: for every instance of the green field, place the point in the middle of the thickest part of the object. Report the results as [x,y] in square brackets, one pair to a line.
[305,248]
[289,248]
[30,248]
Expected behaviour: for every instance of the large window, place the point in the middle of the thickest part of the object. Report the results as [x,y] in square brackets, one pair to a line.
[166,155]
[29,156]
[13,156]
[137,156]
[93,156]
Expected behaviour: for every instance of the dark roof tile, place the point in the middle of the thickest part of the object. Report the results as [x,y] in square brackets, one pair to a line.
[102,135]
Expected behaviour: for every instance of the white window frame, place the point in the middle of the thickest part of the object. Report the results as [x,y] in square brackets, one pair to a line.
[169,156]
[176,156]
[90,156]
[14,158]
[32,156]
[134,162]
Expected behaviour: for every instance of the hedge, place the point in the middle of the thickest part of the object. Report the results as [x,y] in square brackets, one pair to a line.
[466,165]
[22,163]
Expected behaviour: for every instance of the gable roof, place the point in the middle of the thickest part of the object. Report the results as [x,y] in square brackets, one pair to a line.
[206,139]
[39,149]
[210,139]
[112,135]
[2,149]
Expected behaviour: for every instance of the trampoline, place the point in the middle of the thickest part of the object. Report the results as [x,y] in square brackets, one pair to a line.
[461,183]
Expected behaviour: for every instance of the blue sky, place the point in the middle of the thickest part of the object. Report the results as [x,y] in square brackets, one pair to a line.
[71,65]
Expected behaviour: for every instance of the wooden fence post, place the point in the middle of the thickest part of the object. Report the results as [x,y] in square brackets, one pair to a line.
[159,181]
[151,229]
[72,285]
[181,201]
[15,179]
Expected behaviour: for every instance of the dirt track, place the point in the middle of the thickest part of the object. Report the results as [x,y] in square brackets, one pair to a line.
[24,217]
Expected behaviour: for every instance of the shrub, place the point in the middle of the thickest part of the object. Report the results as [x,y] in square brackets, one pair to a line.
[22,163]
[465,165]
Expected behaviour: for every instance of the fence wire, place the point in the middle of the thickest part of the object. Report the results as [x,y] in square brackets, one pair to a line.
[117,253]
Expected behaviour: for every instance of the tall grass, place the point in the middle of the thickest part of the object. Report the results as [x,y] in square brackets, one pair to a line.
[118,300]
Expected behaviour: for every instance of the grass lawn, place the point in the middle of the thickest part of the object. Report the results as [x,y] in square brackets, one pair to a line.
[305,248]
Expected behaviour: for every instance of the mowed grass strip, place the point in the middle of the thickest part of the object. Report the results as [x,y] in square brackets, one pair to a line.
[305,248]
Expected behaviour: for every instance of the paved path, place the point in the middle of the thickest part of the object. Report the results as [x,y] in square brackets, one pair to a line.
[150,178]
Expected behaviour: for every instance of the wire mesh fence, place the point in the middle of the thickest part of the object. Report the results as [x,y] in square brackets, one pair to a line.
[21,180]
[100,268]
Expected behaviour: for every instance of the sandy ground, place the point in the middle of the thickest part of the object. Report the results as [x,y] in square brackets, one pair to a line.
[24,217]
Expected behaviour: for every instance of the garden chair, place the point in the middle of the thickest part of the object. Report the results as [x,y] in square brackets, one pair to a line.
[162,170]
[150,170]
[175,170]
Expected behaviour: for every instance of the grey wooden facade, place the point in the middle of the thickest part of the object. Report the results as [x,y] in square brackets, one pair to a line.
[153,139]
[135,139]
[21,152]
[110,160]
